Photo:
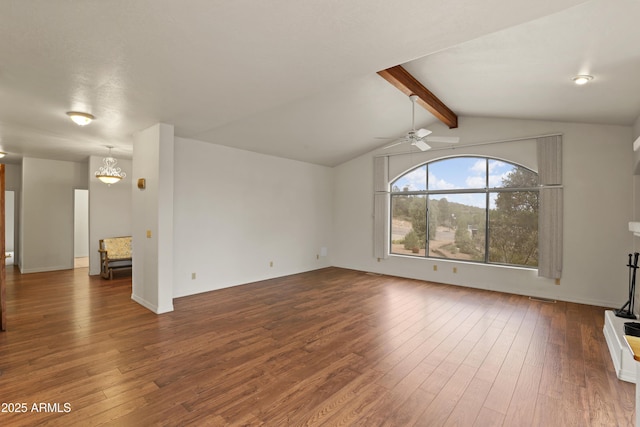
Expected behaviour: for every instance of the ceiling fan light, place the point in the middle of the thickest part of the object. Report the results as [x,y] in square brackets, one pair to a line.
[81,119]
[582,79]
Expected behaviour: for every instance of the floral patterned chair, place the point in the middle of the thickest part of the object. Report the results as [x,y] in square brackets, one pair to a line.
[115,253]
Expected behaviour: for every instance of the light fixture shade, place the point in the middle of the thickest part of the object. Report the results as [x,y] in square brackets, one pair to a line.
[81,119]
[107,179]
[109,173]
[582,79]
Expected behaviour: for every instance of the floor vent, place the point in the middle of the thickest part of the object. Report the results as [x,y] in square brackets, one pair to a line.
[373,274]
[539,299]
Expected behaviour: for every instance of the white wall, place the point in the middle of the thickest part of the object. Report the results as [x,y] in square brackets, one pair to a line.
[152,221]
[46,241]
[9,221]
[13,182]
[636,199]
[109,208]
[597,164]
[81,223]
[236,211]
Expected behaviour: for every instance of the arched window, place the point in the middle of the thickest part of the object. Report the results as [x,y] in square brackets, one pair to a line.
[466,208]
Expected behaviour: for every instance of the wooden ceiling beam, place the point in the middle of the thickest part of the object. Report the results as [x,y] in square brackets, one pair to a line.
[407,84]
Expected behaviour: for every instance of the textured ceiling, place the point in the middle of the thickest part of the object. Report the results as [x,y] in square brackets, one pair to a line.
[298,79]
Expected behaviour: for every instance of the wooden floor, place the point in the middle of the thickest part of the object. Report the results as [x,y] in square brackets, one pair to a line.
[331,347]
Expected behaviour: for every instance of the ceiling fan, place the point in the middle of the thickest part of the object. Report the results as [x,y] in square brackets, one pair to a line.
[419,138]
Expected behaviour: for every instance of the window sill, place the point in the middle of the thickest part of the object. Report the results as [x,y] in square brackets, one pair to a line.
[458,262]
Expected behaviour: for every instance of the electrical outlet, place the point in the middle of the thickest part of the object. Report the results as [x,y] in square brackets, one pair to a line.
[270,263]
[557,281]
[435,268]
[193,276]
[455,269]
[148,234]
[317,256]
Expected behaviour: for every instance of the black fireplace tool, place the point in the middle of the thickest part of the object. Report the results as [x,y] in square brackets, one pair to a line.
[629,305]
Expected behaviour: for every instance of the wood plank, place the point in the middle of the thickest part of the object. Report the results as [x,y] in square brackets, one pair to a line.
[445,401]
[410,412]
[470,404]
[407,84]
[332,346]
[506,379]
[522,406]
[553,412]
[551,380]
[489,418]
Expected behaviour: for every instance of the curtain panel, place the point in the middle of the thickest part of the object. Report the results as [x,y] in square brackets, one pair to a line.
[550,211]
[380,207]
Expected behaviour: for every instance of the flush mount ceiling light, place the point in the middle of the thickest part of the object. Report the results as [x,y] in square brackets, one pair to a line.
[2,154]
[582,79]
[109,173]
[81,119]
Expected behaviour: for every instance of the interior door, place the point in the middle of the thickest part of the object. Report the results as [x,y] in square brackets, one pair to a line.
[3,270]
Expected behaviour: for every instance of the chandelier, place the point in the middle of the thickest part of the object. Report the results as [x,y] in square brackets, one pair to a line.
[109,173]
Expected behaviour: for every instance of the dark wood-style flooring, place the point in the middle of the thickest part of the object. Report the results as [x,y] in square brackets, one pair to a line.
[330,347]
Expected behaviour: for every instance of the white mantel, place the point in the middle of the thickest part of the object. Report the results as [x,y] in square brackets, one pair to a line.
[621,356]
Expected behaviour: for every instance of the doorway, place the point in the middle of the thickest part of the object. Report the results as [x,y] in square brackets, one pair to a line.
[9,226]
[81,229]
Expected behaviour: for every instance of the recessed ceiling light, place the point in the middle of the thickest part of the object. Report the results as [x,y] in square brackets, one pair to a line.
[582,79]
[81,119]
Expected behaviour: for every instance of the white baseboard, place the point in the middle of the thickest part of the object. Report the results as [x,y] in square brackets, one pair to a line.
[149,306]
[44,270]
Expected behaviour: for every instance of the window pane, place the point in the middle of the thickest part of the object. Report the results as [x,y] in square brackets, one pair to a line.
[416,180]
[458,173]
[451,211]
[503,175]
[408,224]
[457,226]
[513,228]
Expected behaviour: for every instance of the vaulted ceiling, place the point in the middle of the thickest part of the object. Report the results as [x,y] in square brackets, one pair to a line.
[299,79]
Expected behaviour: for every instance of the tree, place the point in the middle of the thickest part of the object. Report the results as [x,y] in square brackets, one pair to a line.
[444,212]
[400,207]
[433,218]
[418,213]
[465,241]
[411,240]
[513,237]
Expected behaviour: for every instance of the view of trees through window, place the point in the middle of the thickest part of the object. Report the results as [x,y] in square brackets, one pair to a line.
[467,208]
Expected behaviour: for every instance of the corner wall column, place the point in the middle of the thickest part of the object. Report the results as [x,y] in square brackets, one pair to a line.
[152,221]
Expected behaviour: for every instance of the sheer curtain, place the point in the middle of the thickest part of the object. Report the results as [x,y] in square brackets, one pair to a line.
[550,211]
[380,207]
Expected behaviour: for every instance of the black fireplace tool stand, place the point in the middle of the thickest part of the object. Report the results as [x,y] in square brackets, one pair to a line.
[629,305]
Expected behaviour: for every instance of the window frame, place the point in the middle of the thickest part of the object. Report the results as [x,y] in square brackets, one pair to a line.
[487,190]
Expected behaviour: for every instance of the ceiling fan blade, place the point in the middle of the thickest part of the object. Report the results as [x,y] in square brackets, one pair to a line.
[445,139]
[421,133]
[423,146]
[394,144]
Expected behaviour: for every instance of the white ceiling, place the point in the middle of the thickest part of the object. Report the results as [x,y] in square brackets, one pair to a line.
[297,79]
